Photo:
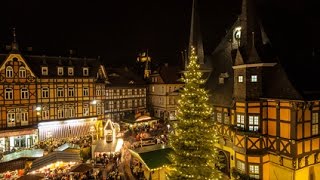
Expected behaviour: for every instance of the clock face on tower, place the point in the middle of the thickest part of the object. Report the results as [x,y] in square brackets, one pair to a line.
[237,33]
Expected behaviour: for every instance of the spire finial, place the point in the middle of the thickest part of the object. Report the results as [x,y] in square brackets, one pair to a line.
[14,45]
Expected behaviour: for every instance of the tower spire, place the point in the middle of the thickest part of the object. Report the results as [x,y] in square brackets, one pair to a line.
[15,47]
[195,38]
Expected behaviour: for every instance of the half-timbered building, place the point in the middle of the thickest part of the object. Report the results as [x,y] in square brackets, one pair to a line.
[268,122]
[45,97]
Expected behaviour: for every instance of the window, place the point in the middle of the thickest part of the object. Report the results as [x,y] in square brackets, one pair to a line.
[70,112]
[219,117]
[70,71]
[23,117]
[152,89]
[85,71]
[22,72]
[11,119]
[253,123]
[240,78]
[135,92]
[60,112]
[240,120]
[70,92]
[136,102]
[45,92]
[241,166]
[45,114]
[85,91]
[85,110]
[9,71]
[315,123]
[9,94]
[98,91]
[44,70]
[226,118]
[59,92]
[254,171]
[24,93]
[254,78]
[140,102]
[60,71]
[162,89]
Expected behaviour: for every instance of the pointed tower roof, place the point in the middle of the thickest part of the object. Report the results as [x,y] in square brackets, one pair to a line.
[252,33]
[14,44]
[195,38]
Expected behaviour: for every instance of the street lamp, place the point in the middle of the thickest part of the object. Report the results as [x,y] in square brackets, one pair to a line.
[92,132]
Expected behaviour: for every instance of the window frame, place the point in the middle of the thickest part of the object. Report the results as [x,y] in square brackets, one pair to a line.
[8,93]
[60,71]
[315,123]
[45,92]
[241,166]
[85,71]
[240,122]
[44,70]
[253,123]
[70,71]
[254,171]
[254,78]
[71,92]
[240,79]
[60,92]
[22,72]
[85,91]
[24,93]
[9,71]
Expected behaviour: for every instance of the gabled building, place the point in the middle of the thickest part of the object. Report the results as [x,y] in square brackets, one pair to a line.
[268,122]
[126,93]
[163,92]
[45,97]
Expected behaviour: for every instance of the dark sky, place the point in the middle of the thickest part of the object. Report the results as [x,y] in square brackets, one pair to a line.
[118,30]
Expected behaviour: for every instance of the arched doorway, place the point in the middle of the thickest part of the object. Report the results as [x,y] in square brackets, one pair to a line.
[225,159]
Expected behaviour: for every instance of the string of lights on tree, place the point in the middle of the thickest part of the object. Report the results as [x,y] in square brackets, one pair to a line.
[194,155]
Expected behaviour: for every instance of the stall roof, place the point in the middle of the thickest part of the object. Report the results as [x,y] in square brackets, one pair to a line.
[154,156]
[144,118]
[54,157]
[67,146]
[81,168]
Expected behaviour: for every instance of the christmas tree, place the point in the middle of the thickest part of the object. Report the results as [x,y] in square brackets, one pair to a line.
[194,155]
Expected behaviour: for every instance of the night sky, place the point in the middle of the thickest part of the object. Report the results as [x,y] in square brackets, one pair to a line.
[118,30]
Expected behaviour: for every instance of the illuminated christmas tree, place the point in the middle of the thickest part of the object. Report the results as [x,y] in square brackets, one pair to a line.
[194,155]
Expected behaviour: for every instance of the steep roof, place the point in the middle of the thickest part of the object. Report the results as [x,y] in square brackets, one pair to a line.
[278,82]
[123,77]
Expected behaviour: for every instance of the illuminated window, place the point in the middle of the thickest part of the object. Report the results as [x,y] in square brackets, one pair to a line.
[254,171]
[85,110]
[44,70]
[8,94]
[98,91]
[11,120]
[140,91]
[140,102]
[226,118]
[240,79]
[60,92]
[9,71]
[315,123]
[240,121]
[22,72]
[136,102]
[219,117]
[24,93]
[60,112]
[253,123]
[22,116]
[135,91]
[254,78]
[162,89]
[70,112]
[152,89]
[98,109]
[241,166]
[85,71]
[45,113]
[70,71]
[70,92]
[60,71]
[85,91]
[45,92]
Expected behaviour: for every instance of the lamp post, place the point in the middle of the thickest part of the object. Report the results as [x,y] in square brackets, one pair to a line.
[92,132]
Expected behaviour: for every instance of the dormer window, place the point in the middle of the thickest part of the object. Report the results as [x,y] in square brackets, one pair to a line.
[254,78]
[9,71]
[60,71]
[240,79]
[85,71]
[70,71]
[44,71]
